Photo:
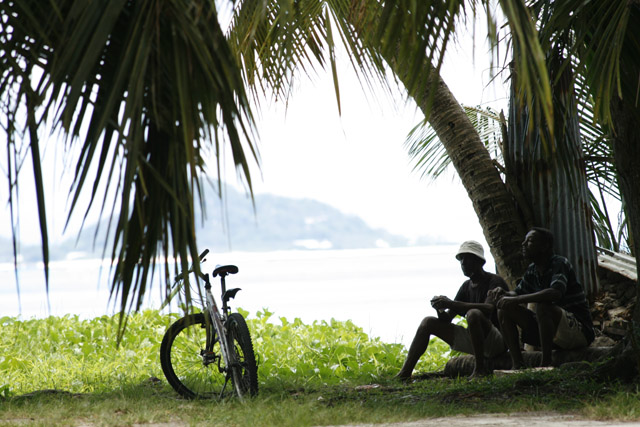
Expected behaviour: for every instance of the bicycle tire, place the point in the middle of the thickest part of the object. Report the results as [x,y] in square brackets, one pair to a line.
[245,371]
[191,362]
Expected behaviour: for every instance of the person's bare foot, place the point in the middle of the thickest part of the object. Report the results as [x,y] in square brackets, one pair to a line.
[402,377]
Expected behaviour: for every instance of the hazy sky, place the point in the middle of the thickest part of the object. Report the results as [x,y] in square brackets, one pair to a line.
[355,162]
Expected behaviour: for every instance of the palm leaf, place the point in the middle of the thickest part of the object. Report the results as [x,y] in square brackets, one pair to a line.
[431,161]
[146,92]
[430,158]
[275,41]
[603,37]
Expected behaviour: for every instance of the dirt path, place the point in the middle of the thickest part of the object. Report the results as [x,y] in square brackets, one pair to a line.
[487,420]
[517,420]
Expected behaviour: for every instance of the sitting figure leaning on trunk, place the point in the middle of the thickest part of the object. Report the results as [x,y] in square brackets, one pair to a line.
[561,318]
[482,338]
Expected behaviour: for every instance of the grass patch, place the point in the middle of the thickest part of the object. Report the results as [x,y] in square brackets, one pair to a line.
[156,402]
[326,373]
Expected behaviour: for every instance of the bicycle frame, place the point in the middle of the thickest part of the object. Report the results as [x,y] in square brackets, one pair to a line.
[217,321]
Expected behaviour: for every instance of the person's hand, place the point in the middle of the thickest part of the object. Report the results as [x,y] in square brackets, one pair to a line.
[440,302]
[494,295]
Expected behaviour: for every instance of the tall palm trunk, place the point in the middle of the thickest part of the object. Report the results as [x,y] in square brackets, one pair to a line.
[554,184]
[626,148]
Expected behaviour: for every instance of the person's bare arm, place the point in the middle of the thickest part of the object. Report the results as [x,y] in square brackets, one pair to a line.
[442,302]
[443,309]
[545,295]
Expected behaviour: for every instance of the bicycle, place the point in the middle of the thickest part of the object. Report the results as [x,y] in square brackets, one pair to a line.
[197,363]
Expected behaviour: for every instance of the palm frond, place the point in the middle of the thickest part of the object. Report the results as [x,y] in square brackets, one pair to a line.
[146,92]
[430,158]
[431,161]
[275,41]
[603,38]
[415,33]
[530,65]
[600,170]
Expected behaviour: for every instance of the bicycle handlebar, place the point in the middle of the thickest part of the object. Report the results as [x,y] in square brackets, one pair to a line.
[181,275]
[176,283]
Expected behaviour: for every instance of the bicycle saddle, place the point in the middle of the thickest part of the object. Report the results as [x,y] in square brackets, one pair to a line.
[224,270]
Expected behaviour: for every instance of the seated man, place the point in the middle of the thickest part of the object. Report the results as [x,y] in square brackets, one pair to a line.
[561,316]
[482,337]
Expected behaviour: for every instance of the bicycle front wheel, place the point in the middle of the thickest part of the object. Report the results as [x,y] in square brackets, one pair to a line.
[191,359]
[244,369]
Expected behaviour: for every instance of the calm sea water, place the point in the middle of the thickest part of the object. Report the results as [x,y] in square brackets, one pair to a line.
[384,291]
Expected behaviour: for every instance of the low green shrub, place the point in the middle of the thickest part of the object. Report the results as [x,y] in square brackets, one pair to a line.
[82,355]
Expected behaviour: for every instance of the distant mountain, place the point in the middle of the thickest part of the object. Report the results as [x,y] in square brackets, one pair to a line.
[273,223]
[280,223]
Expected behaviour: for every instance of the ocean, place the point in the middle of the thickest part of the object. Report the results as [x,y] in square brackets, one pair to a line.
[384,291]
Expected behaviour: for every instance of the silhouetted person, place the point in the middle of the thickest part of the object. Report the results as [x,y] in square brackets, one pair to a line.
[482,338]
[561,317]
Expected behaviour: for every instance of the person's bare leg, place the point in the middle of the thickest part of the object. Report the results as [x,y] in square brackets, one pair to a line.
[479,327]
[509,320]
[429,326]
[418,347]
[548,319]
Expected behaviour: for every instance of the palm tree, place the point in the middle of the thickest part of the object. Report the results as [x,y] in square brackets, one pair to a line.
[136,71]
[606,43]
[411,38]
[143,91]
[365,22]
[600,38]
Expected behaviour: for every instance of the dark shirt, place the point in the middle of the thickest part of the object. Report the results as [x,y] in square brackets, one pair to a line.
[561,276]
[478,294]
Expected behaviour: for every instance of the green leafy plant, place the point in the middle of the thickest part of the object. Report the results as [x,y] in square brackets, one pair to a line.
[319,353]
[77,355]
[69,353]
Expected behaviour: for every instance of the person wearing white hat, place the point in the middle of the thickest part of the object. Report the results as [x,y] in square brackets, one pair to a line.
[482,338]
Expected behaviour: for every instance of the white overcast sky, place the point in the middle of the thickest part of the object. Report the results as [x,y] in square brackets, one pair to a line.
[355,162]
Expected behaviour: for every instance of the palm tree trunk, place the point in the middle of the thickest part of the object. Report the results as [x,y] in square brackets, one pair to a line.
[501,221]
[497,212]
[554,185]
[626,148]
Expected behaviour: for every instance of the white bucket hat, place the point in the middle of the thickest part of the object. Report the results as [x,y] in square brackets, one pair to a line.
[471,247]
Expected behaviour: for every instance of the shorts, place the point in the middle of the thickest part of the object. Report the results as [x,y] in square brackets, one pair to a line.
[569,334]
[494,344]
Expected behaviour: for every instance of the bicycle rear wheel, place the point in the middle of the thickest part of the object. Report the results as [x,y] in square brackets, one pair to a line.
[191,359]
[245,370]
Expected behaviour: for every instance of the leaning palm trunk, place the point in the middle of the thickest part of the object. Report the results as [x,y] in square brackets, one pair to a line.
[494,205]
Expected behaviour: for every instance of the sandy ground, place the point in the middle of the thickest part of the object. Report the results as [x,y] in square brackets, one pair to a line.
[489,420]
[518,420]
